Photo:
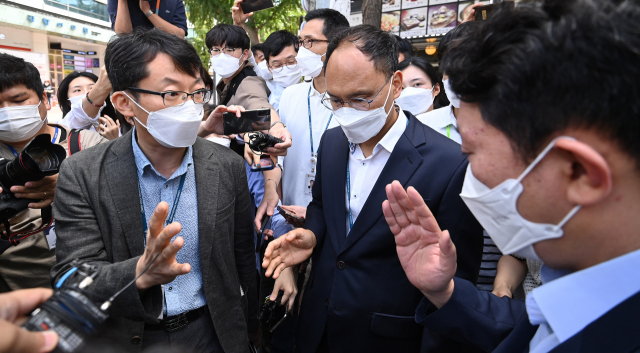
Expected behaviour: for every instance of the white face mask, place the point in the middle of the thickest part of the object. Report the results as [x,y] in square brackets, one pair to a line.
[262,70]
[225,65]
[288,76]
[416,100]
[174,127]
[76,100]
[453,97]
[360,126]
[20,123]
[496,210]
[309,62]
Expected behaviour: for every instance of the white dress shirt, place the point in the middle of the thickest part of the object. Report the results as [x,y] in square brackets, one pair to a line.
[297,165]
[566,305]
[276,90]
[364,172]
[78,119]
[443,121]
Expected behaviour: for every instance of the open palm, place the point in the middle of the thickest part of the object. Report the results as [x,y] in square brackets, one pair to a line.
[427,254]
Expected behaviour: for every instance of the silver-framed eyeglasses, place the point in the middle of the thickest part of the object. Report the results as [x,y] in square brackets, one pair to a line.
[355,103]
[175,98]
[215,51]
[291,65]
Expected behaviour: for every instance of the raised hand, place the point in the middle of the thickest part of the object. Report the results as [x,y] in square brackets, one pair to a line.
[166,268]
[288,250]
[239,17]
[427,254]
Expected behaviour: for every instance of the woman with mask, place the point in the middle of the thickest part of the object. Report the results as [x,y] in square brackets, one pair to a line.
[420,86]
[81,110]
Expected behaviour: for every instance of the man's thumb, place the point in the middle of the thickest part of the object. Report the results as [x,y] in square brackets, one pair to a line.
[21,340]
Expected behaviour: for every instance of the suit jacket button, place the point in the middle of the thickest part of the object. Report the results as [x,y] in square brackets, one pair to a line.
[341,265]
[136,340]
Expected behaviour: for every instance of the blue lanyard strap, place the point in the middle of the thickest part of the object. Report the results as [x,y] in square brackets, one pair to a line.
[15,153]
[349,198]
[176,200]
[310,126]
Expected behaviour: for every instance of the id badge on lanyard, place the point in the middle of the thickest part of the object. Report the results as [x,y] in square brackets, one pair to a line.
[311,175]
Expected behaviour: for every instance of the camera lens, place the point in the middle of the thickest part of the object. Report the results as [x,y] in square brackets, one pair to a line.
[38,159]
[44,159]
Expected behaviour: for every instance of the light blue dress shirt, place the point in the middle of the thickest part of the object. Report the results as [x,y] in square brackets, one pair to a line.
[278,224]
[567,303]
[185,293]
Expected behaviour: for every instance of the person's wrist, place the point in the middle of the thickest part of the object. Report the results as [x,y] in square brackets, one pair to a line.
[440,298]
[142,282]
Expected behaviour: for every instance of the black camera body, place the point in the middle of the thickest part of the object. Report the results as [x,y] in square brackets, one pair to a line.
[70,311]
[259,141]
[38,159]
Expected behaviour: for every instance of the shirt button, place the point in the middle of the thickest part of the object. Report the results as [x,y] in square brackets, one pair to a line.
[166,186]
[170,288]
[355,196]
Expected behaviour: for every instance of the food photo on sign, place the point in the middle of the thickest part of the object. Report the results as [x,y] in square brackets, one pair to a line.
[391,22]
[390,5]
[409,4]
[442,18]
[413,22]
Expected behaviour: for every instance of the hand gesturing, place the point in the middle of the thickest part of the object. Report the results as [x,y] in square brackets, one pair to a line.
[427,254]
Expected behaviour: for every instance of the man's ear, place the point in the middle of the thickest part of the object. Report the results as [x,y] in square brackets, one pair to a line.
[45,100]
[245,54]
[123,105]
[590,173]
[397,84]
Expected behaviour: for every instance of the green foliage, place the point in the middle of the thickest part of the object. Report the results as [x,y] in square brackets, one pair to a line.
[204,14]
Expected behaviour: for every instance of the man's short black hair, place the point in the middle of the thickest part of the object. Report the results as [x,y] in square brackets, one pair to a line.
[378,45]
[15,71]
[233,36]
[127,56]
[536,71]
[404,47]
[455,35]
[333,20]
[257,47]
[277,41]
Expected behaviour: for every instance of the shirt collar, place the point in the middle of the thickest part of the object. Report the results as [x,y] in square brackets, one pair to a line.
[142,162]
[570,303]
[315,92]
[443,117]
[392,137]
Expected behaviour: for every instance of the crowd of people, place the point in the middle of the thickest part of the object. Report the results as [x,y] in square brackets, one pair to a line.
[485,206]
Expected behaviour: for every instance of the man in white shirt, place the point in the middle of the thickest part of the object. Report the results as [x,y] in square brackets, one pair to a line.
[302,110]
[553,177]
[358,298]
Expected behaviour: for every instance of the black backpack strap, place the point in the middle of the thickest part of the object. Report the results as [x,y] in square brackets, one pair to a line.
[235,82]
[74,142]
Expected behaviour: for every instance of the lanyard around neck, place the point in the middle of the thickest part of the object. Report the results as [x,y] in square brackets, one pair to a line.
[15,153]
[176,200]
[310,125]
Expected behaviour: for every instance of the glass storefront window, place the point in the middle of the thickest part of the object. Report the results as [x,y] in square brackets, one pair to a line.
[89,8]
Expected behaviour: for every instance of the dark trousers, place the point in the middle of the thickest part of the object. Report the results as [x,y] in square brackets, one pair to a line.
[198,336]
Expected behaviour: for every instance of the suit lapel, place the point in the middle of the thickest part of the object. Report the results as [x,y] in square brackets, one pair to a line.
[207,174]
[401,166]
[335,183]
[122,179]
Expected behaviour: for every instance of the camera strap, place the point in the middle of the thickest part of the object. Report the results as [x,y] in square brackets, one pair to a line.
[73,142]
[15,238]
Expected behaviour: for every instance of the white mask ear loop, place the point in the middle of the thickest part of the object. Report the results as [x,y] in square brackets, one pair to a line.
[533,165]
[139,106]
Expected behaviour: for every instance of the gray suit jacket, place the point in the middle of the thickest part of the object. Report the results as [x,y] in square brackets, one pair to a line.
[97,212]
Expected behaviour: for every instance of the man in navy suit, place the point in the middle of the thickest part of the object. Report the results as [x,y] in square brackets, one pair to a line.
[550,117]
[358,298]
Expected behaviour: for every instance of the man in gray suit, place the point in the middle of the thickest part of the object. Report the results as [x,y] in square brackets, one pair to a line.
[200,292]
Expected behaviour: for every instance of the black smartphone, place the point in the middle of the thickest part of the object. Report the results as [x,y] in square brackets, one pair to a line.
[273,313]
[255,5]
[291,218]
[263,224]
[249,121]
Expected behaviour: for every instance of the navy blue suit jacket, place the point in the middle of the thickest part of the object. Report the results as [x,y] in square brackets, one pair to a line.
[357,289]
[501,325]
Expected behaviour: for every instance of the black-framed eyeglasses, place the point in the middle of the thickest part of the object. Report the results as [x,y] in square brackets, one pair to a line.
[291,65]
[308,42]
[355,103]
[227,50]
[176,98]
